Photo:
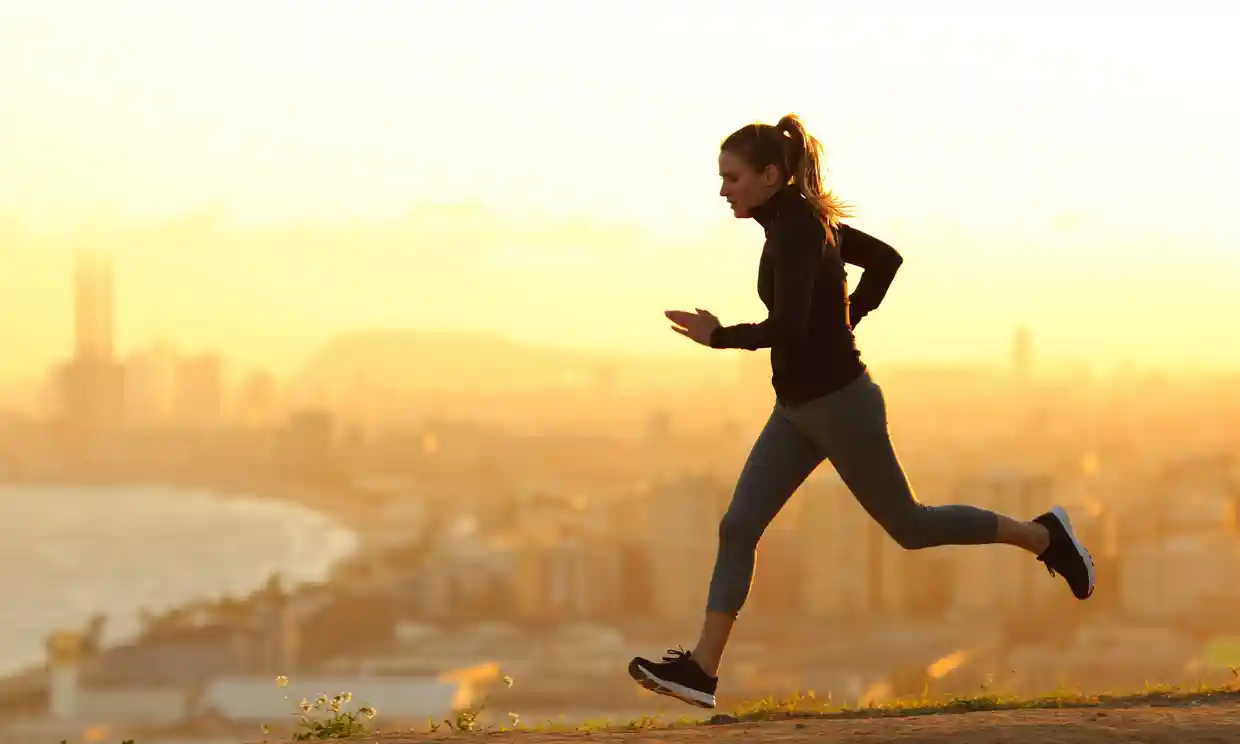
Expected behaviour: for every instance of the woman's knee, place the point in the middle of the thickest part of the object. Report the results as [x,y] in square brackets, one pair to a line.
[912,529]
[735,530]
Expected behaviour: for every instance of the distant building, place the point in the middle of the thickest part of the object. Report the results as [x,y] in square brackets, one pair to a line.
[200,392]
[75,703]
[94,311]
[1176,577]
[88,389]
[685,557]
[1002,580]
[257,401]
[843,551]
[306,442]
[150,380]
[87,403]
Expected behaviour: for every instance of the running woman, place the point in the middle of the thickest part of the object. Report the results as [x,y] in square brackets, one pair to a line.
[827,406]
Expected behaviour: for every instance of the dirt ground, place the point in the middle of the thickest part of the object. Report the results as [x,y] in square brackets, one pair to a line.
[1189,724]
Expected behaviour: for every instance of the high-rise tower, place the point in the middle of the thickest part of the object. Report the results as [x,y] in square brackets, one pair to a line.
[93,307]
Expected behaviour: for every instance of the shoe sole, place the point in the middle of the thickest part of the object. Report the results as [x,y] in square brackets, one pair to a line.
[1062,515]
[648,680]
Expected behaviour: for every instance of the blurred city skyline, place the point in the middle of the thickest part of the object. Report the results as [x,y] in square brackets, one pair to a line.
[382,172]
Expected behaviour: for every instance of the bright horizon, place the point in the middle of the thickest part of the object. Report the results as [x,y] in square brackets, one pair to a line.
[1016,161]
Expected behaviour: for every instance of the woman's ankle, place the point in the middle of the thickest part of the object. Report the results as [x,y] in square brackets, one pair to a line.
[1039,538]
[707,665]
[1030,536]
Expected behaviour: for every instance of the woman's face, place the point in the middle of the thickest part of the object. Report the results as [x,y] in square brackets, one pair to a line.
[743,186]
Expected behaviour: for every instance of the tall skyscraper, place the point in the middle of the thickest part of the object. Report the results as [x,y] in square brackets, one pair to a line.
[93,307]
[90,383]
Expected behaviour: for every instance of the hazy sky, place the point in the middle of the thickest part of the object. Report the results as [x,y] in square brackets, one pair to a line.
[1018,161]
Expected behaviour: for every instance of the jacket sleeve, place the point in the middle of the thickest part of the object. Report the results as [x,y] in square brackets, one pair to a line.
[880,262]
[796,262]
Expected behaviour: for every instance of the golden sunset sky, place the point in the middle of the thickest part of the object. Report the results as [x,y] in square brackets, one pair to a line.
[268,172]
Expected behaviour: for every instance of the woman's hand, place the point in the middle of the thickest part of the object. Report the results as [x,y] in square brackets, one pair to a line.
[696,325]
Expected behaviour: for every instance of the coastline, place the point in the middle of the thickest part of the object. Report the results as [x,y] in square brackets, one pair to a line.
[23,679]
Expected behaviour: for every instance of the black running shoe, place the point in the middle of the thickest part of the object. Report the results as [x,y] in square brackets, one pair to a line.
[677,676]
[1066,556]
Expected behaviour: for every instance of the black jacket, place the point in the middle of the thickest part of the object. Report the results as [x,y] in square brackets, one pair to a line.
[801,281]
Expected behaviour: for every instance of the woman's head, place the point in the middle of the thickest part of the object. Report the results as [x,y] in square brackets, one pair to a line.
[758,160]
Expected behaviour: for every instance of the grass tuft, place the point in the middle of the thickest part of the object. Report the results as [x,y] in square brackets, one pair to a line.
[327,719]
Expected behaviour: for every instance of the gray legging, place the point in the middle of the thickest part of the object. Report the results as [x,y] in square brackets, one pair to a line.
[849,428]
